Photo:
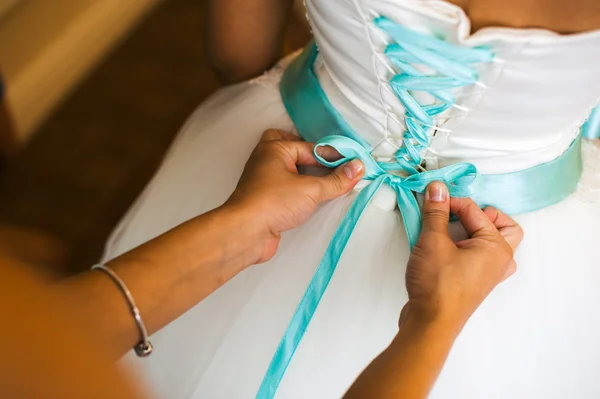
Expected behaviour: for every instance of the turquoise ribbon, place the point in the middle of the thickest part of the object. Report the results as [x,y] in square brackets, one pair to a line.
[533,188]
[453,67]
[310,109]
[514,193]
[461,180]
[591,129]
[318,121]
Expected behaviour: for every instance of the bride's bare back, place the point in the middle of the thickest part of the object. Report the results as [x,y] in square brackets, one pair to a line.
[245,37]
[563,16]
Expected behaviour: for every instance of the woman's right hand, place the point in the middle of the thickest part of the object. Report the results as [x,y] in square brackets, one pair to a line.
[447,281]
[272,196]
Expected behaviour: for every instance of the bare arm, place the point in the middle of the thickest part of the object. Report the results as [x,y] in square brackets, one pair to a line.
[61,340]
[166,276]
[245,37]
[172,273]
[46,352]
[408,368]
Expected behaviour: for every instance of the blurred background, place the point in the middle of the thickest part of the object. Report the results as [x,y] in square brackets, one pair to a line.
[92,94]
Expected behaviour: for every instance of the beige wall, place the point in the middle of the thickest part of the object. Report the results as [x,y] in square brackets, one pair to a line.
[48,46]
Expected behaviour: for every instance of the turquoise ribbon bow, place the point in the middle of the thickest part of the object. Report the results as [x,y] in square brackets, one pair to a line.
[461,180]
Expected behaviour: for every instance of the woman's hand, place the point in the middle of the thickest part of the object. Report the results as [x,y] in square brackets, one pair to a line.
[274,197]
[447,281]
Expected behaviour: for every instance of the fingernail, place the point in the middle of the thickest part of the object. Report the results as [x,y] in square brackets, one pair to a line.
[353,169]
[437,192]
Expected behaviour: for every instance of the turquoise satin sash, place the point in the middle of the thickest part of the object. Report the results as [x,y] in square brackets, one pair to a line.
[317,120]
[514,193]
[591,129]
[307,104]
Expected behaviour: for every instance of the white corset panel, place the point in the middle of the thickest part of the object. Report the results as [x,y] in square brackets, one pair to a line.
[527,110]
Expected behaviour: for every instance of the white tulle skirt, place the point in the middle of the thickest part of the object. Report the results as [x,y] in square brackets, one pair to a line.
[536,336]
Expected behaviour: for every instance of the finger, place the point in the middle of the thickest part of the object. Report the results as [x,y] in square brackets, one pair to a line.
[340,181]
[328,153]
[436,209]
[473,219]
[276,134]
[270,135]
[508,228]
[287,136]
[300,152]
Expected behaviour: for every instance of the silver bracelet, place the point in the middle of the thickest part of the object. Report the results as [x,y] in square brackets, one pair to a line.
[144,348]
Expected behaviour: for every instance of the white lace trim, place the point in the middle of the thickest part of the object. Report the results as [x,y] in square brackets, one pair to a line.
[272,77]
[588,189]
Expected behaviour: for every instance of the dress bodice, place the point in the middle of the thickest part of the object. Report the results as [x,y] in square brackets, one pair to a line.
[526,107]
[405,88]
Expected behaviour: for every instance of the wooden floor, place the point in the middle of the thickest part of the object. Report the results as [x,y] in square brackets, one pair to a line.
[91,159]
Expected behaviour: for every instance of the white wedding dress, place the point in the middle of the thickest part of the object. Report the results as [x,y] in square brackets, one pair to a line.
[536,336]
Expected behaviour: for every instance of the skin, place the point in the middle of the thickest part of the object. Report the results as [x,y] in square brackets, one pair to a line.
[68,335]
[48,352]
[561,16]
[245,37]
[86,324]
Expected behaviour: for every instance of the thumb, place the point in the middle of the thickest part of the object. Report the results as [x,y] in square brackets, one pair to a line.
[341,180]
[436,209]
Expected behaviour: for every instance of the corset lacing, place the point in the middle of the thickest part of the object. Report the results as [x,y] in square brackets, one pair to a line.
[454,67]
